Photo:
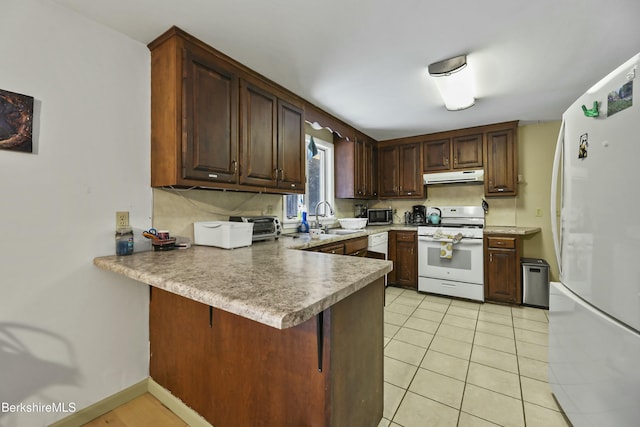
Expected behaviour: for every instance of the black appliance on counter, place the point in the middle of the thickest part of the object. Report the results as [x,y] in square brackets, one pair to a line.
[360,211]
[419,214]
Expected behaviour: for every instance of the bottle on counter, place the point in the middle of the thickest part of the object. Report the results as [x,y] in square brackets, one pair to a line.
[124,241]
[304,225]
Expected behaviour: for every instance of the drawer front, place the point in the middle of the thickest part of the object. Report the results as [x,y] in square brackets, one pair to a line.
[356,246]
[333,249]
[402,236]
[502,242]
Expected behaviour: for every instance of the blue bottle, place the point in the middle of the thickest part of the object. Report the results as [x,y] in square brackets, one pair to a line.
[304,226]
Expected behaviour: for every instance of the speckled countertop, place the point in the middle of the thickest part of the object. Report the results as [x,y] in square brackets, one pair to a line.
[520,231]
[269,282]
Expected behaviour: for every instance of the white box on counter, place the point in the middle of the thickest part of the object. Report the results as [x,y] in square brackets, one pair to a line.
[223,234]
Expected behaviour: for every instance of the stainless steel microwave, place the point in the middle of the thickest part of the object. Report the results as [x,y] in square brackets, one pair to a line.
[379,216]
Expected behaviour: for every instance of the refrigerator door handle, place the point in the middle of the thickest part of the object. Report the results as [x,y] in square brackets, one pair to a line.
[557,234]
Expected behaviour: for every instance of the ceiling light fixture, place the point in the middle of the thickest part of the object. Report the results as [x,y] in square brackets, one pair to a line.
[454,82]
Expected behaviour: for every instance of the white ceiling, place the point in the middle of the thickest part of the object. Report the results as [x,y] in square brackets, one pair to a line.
[365,61]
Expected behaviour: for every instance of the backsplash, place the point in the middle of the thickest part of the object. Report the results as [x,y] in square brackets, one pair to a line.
[502,211]
[176,210]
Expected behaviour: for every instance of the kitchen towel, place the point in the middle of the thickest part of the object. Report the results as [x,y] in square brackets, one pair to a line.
[446,250]
[446,243]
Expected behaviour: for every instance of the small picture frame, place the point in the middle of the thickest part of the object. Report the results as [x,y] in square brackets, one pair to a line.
[16,121]
[620,99]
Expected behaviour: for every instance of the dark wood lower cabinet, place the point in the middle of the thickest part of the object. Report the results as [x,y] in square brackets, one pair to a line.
[236,372]
[502,269]
[403,251]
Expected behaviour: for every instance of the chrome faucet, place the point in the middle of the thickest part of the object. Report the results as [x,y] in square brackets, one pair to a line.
[316,213]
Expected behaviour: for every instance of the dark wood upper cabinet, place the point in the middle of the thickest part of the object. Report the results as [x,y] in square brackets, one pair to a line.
[501,165]
[291,152]
[458,152]
[259,136]
[217,124]
[400,171]
[355,168]
[388,175]
[211,120]
[436,155]
[411,182]
[467,151]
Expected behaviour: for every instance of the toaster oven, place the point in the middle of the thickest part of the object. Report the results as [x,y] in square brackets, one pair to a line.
[264,227]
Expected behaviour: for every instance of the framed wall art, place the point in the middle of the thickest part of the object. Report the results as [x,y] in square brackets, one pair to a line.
[16,121]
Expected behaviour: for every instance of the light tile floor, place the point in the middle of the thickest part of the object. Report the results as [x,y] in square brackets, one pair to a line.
[451,362]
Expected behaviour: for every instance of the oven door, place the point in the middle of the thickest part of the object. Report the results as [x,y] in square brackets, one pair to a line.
[465,264]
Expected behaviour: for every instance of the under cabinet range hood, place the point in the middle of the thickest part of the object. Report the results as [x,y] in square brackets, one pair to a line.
[476,175]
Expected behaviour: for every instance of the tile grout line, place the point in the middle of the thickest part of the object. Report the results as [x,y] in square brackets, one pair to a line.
[466,377]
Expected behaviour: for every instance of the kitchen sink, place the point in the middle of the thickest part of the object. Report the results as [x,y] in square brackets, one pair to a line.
[343,231]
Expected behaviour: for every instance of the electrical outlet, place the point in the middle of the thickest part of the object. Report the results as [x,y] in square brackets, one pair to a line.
[538,212]
[122,219]
[269,210]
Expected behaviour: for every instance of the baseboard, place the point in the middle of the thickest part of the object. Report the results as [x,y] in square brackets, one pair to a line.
[175,405]
[148,385]
[107,404]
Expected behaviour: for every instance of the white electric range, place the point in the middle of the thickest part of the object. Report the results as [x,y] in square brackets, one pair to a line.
[450,254]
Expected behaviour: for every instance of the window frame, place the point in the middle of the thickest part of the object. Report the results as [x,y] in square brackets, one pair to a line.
[329,186]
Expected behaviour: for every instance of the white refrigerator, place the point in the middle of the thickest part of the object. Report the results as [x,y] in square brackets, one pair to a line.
[594,311]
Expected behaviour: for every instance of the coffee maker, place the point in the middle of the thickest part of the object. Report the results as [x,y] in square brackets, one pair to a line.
[419,214]
[360,211]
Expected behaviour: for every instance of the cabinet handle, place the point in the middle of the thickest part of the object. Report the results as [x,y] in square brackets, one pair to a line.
[235,166]
[320,338]
[455,160]
[276,174]
[491,258]
[446,160]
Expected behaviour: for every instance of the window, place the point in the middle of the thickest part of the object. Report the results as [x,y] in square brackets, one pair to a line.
[319,185]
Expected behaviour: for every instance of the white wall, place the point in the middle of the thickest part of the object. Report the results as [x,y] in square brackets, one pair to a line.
[70,332]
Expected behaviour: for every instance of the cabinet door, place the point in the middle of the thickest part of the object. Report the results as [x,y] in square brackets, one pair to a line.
[467,151]
[210,147]
[259,136]
[366,172]
[392,256]
[345,172]
[411,183]
[291,147]
[359,167]
[355,168]
[436,155]
[372,180]
[389,171]
[502,270]
[501,168]
[406,261]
